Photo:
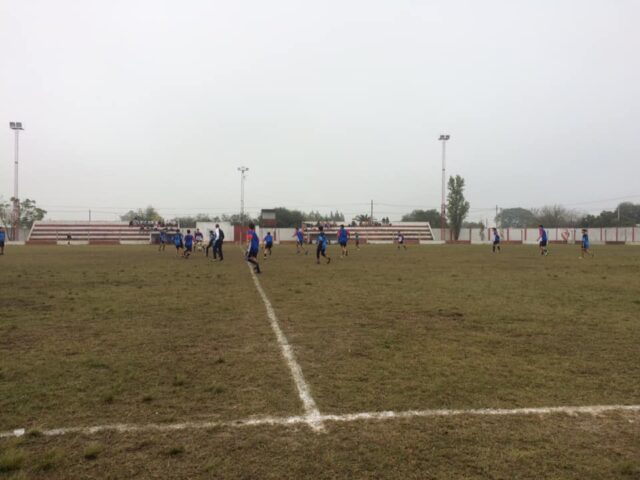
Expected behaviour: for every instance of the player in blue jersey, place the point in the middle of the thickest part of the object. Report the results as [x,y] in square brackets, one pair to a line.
[163,240]
[253,248]
[177,241]
[543,240]
[496,240]
[299,234]
[3,235]
[322,246]
[300,241]
[343,239]
[585,244]
[210,245]
[268,244]
[188,244]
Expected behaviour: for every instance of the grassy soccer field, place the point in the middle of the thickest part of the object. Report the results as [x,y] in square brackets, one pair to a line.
[94,336]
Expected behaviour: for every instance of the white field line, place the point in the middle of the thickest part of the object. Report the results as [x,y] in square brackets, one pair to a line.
[312,414]
[347,417]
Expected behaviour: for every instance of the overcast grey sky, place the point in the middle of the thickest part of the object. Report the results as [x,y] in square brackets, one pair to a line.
[330,104]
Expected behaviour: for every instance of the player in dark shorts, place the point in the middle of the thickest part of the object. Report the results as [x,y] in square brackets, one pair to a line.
[212,241]
[177,241]
[400,240]
[322,246]
[188,244]
[268,244]
[254,248]
[496,240]
[543,240]
[585,245]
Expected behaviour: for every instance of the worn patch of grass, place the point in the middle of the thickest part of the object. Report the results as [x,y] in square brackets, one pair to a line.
[80,343]
[92,451]
[11,459]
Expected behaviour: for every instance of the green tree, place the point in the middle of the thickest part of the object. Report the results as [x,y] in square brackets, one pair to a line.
[148,214]
[432,216]
[516,218]
[626,214]
[457,206]
[363,218]
[556,216]
[30,212]
[286,218]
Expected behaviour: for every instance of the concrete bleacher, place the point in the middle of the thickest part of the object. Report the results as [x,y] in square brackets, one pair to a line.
[107,233]
[413,233]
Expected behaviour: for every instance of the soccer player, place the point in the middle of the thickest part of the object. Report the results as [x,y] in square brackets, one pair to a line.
[322,246]
[188,244]
[585,244]
[543,239]
[300,241]
[400,240]
[268,244]
[177,241]
[163,240]
[357,239]
[253,248]
[3,235]
[199,238]
[343,239]
[496,240]
[211,244]
[217,244]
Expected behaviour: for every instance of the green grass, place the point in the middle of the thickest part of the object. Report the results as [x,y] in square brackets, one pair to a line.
[95,335]
[459,327]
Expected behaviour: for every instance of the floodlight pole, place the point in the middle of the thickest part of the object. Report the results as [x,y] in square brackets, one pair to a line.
[16,127]
[443,206]
[243,173]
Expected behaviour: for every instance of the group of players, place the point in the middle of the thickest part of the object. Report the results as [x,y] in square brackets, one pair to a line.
[543,241]
[253,248]
[186,244]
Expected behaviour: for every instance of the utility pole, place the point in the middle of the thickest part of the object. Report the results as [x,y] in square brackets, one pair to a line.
[443,206]
[16,127]
[243,174]
[371,212]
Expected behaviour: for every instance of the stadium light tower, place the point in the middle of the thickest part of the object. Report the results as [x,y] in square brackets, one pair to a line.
[16,127]
[443,206]
[243,174]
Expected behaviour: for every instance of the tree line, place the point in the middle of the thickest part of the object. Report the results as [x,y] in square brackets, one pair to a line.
[626,214]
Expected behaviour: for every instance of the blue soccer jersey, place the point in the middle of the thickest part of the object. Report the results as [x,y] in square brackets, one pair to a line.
[268,240]
[188,240]
[177,239]
[343,235]
[300,236]
[254,244]
[322,241]
[2,236]
[543,235]
[585,241]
